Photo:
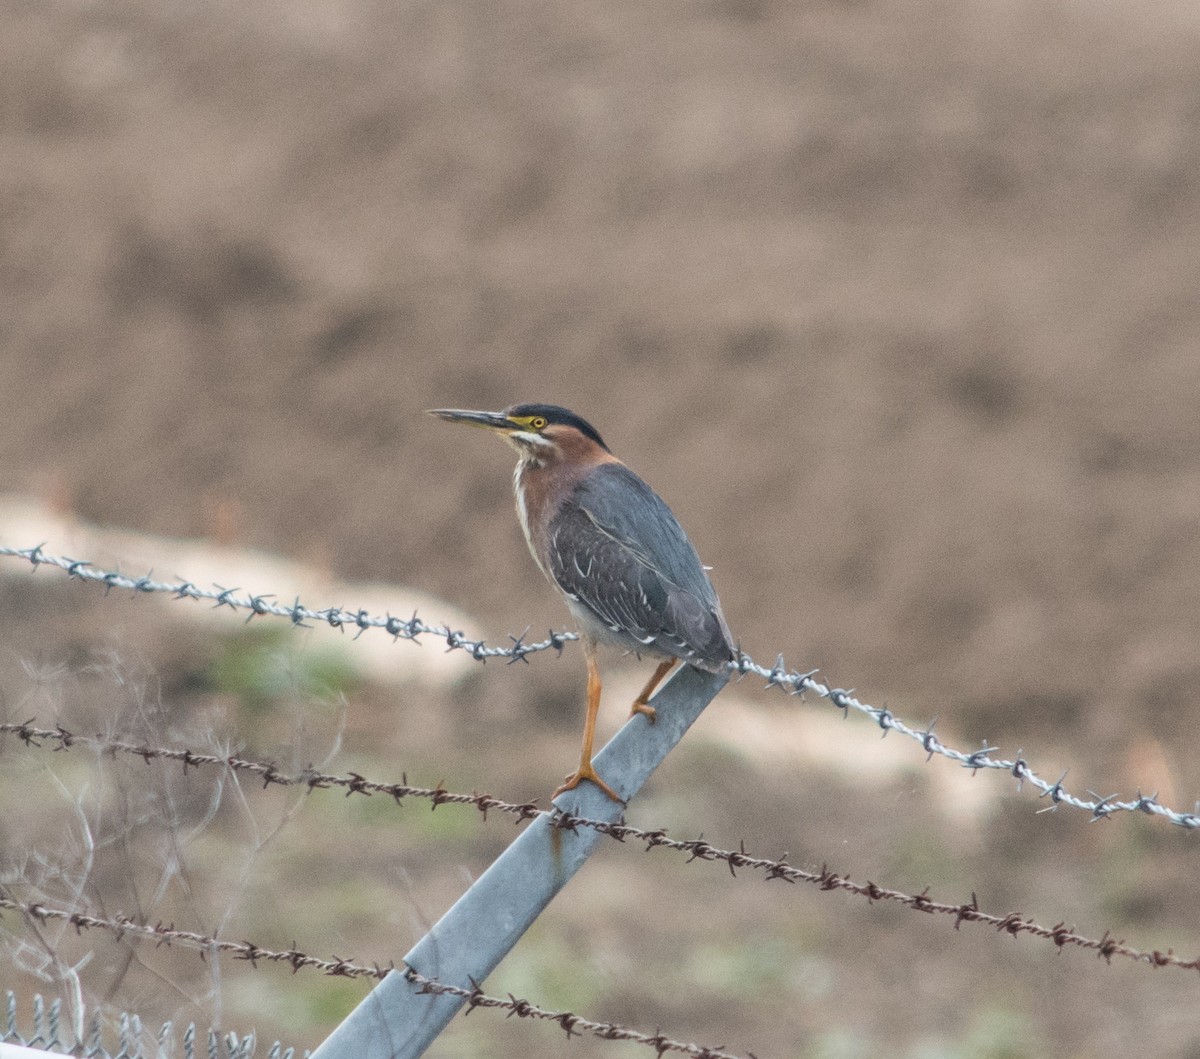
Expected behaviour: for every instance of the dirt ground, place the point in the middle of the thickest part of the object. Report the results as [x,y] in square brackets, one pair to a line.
[895,303]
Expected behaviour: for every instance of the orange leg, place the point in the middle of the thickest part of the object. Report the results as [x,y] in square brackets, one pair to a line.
[639,704]
[586,771]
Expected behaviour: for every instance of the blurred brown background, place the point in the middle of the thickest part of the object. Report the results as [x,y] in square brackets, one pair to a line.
[894,301]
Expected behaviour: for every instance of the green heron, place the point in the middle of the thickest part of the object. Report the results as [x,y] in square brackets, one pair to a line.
[606,540]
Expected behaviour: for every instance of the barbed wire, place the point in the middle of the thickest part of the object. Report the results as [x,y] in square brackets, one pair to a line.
[352,783]
[792,681]
[1013,923]
[571,1023]
[1099,806]
[297,613]
[121,926]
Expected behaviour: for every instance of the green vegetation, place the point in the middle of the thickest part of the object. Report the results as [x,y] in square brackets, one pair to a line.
[263,665]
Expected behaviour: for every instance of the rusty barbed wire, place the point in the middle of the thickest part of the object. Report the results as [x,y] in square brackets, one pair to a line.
[573,1024]
[352,783]
[121,926]
[792,681]
[1014,923]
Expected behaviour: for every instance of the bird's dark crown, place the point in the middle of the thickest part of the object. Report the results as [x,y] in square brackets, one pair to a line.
[557,415]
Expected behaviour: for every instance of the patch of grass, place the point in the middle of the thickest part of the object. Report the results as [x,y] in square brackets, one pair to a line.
[546,965]
[765,965]
[261,666]
[995,1033]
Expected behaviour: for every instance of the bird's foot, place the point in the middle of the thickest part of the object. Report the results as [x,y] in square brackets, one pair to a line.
[649,712]
[586,772]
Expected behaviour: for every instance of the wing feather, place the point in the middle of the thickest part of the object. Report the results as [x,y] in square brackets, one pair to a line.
[616,548]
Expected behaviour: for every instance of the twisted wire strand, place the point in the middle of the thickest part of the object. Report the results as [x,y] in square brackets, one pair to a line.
[571,1023]
[121,926]
[352,783]
[1014,923]
[1099,806]
[792,681]
[297,613]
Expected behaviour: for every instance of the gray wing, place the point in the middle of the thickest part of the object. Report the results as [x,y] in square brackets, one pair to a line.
[616,548]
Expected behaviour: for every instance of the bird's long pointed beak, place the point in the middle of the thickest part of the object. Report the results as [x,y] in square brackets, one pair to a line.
[488,420]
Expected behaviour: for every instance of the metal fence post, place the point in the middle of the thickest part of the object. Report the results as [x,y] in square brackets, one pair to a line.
[396,1021]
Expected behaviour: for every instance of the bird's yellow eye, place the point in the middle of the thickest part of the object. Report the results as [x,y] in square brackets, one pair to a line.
[537,422]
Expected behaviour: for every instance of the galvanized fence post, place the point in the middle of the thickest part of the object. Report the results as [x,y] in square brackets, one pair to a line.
[396,1021]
